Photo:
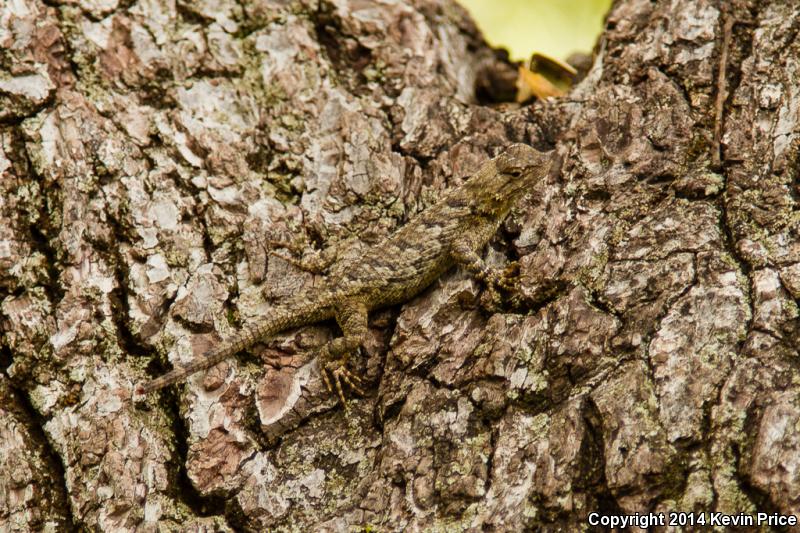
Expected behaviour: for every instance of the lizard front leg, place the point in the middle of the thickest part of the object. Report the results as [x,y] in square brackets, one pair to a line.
[352,318]
[465,255]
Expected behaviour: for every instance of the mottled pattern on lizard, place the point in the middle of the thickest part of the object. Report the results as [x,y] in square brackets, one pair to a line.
[450,232]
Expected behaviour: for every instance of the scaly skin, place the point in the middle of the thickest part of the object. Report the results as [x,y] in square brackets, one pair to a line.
[450,232]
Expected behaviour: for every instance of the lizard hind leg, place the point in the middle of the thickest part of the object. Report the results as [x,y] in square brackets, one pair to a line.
[314,261]
[352,318]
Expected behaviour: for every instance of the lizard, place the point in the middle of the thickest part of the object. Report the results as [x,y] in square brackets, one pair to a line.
[450,232]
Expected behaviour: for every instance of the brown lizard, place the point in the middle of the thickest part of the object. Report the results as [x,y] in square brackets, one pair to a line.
[450,232]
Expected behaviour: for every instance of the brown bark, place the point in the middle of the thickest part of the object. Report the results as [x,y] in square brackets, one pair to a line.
[150,149]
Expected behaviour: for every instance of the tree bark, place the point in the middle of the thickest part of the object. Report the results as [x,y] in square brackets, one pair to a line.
[151,149]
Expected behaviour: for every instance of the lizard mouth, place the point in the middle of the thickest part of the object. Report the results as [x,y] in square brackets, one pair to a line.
[516,186]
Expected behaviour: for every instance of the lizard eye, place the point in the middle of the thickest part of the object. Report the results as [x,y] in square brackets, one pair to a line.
[515,172]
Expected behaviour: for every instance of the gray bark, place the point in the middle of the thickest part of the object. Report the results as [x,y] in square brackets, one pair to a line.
[149,149]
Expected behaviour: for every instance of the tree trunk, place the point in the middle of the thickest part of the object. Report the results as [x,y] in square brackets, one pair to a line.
[152,149]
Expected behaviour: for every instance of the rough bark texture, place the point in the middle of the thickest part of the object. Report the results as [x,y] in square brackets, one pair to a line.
[148,149]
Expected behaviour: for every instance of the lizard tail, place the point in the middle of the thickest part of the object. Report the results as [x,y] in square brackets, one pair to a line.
[280,320]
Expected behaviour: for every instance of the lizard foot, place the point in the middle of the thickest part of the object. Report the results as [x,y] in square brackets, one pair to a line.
[336,372]
[508,279]
[505,280]
[490,300]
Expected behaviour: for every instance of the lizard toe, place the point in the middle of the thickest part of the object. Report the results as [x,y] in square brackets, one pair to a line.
[327,381]
[339,391]
[334,374]
[353,381]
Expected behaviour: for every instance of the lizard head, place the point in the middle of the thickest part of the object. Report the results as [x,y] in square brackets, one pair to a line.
[508,177]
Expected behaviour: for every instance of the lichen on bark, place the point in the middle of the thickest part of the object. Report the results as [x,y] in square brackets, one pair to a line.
[151,150]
